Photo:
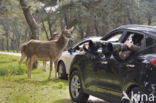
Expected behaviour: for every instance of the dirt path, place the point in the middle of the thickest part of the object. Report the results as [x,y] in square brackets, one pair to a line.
[8,53]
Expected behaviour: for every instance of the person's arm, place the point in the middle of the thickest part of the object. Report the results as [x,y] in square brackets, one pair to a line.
[132,46]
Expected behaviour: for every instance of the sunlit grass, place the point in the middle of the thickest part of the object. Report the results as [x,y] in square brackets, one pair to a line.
[9,65]
[19,89]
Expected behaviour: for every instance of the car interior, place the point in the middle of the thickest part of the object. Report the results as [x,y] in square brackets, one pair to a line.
[136,39]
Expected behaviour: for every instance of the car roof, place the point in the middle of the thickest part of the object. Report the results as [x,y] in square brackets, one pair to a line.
[93,38]
[151,30]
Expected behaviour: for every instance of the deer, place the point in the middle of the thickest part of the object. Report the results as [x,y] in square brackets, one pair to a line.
[54,37]
[45,50]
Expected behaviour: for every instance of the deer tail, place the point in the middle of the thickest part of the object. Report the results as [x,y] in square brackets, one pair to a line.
[23,54]
[23,48]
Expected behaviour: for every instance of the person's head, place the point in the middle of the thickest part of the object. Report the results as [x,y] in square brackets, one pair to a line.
[137,39]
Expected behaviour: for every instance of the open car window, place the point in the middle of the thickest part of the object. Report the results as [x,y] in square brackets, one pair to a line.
[80,45]
[134,38]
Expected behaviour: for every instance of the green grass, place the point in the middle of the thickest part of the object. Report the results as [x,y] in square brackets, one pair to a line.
[9,66]
[12,51]
[15,87]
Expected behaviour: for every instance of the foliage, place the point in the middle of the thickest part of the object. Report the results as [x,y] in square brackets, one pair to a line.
[89,17]
[9,66]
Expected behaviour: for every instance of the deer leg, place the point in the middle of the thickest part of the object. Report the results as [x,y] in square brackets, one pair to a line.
[55,65]
[44,66]
[29,66]
[51,66]
[26,62]
[22,58]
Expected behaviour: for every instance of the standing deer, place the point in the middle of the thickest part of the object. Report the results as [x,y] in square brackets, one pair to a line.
[45,50]
[54,37]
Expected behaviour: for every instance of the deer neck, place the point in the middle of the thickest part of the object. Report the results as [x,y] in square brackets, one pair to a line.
[62,42]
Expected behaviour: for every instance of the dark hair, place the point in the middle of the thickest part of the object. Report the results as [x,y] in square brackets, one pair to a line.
[137,39]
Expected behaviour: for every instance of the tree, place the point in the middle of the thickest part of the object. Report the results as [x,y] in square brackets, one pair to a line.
[149,7]
[0,5]
[30,20]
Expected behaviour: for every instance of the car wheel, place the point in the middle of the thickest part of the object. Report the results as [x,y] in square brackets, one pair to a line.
[62,71]
[136,93]
[75,88]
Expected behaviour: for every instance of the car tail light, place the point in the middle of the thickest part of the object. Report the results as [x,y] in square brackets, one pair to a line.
[153,62]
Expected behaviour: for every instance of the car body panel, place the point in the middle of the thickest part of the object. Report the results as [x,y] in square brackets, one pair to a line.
[108,78]
[68,57]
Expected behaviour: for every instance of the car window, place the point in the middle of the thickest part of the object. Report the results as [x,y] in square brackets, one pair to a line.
[134,38]
[79,47]
[115,37]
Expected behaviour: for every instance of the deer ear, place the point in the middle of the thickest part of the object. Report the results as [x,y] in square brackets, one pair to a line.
[64,28]
[72,28]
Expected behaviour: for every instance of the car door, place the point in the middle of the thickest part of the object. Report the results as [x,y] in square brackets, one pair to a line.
[131,67]
[68,56]
[116,73]
[105,69]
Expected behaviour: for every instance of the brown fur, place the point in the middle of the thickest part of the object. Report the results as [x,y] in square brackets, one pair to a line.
[54,37]
[45,50]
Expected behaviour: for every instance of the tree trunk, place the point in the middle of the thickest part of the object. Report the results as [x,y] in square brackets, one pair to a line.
[50,26]
[149,18]
[5,27]
[30,20]
[129,17]
[7,39]
[2,43]
[96,28]
[45,30]
[0,5]
[61,22]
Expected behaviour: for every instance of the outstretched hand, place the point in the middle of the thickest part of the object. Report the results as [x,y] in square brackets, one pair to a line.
[128,43]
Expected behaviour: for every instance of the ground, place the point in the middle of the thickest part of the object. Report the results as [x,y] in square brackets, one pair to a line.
[15,87]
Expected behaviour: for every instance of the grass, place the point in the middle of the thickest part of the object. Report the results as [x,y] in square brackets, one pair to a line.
[12,51]
[9,66]
[15,87]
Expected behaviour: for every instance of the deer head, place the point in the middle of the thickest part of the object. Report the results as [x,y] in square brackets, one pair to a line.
[67,32]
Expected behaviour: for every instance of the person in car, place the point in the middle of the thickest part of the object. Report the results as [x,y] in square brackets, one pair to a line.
[133,46]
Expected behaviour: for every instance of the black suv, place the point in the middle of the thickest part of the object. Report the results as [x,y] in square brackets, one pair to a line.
[113,79]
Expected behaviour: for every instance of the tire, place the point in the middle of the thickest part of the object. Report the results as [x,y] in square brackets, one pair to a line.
[62,71]
[75,88]
[135,90]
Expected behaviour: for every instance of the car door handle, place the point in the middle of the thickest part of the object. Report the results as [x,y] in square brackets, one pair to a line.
[130,65]
[104,62]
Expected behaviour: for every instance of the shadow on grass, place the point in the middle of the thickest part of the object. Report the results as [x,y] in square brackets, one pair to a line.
[69,101]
